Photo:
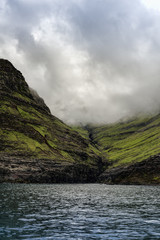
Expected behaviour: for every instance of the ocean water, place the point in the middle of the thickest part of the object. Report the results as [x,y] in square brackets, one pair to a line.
[79,211]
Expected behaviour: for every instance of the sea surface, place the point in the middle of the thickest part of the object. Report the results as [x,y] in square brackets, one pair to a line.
[79,211]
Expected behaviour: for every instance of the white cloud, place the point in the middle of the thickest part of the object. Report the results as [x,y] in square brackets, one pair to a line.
[152,4]
[92,61]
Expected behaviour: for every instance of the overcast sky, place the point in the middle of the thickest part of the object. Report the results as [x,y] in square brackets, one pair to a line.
[91,60]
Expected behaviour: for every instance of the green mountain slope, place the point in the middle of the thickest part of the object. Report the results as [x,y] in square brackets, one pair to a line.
[128,146]
[35,146]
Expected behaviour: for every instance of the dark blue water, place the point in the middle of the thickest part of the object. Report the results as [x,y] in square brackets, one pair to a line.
[76,211]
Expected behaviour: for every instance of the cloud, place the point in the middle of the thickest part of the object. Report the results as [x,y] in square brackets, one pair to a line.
[92,61]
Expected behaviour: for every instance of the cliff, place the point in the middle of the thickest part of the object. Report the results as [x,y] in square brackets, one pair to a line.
[35,146]
[131,149]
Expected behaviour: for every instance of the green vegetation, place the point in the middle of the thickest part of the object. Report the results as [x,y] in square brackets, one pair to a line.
[26,129]
[43,135]
[22,97]
[6,106]
[157,178]
[67,156]
[41,129]
[94,149]
[35,146]
[26,114]
[18,141]
[129,142]
[33,139]
[83,132]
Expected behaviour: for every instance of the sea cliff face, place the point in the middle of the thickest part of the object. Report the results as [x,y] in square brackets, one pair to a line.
[140,173]
[35,146]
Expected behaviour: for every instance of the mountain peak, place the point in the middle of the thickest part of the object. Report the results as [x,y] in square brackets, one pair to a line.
[35,146]
[13,83]
[11,80]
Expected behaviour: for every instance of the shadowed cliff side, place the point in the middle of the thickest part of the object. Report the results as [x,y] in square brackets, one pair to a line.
[35,146]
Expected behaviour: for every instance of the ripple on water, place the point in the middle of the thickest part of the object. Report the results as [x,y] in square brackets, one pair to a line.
[79,211]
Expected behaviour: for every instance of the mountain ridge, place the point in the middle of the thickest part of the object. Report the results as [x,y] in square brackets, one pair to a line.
[35,146]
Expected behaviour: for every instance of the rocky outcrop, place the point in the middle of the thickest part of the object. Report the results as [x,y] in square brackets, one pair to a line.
[11,80]
[145,172]
[24,169]
[13,85]
[38,99]
[35,146]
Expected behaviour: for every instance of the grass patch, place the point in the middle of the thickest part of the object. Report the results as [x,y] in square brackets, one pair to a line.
[84,133]
[41,129]
[129,142]
[67,156]
[20,142]
[23,97]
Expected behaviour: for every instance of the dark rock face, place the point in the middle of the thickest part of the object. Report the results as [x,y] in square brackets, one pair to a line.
[12,83]
[27,170]
[38,99]
[145,172]
[34,145]
[12,79]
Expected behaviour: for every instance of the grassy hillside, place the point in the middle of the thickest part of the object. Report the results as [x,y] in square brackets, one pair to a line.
[35,145]
[130,150]
[27,129]
[129,142]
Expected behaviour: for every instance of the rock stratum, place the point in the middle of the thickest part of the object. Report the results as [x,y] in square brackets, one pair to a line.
[37,147]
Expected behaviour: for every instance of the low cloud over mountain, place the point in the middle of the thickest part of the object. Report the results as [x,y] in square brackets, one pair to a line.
[92,61]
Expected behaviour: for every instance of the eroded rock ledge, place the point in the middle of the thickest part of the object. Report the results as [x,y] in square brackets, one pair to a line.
[145,172]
